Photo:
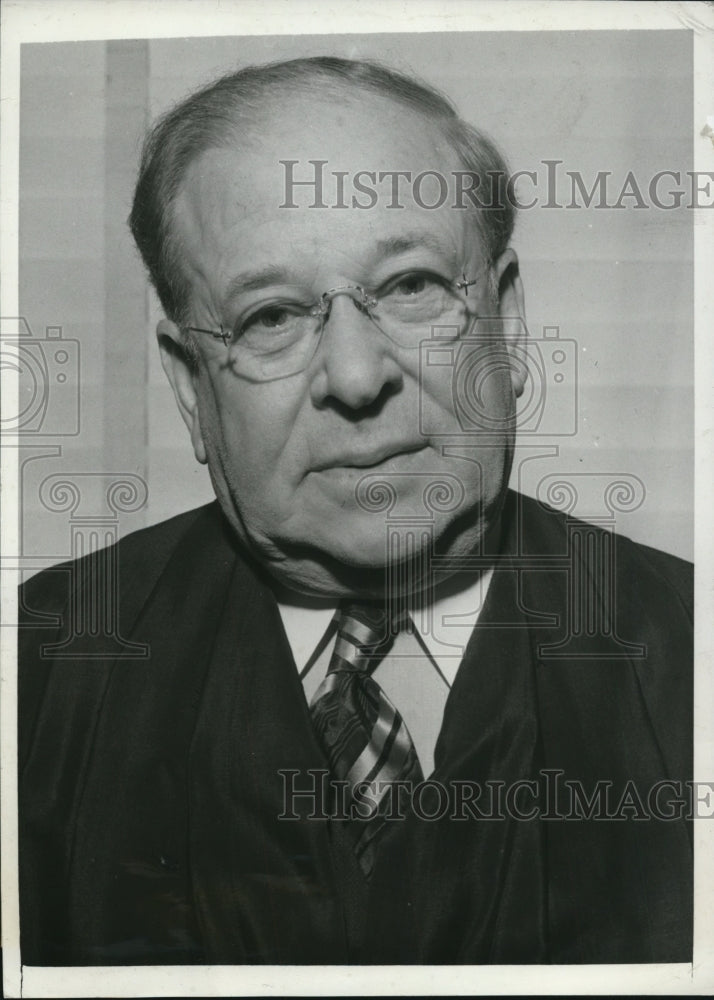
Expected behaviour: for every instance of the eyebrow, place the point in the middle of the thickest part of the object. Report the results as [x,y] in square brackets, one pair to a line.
[394,245]
[249,281]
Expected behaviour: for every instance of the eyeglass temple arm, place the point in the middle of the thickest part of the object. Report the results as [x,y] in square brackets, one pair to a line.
[221,334]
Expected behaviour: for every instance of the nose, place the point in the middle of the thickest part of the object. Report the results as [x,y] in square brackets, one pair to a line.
[355,363]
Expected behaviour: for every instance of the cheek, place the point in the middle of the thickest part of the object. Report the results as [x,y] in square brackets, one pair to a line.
[251,432]
[466,389]
[468,406]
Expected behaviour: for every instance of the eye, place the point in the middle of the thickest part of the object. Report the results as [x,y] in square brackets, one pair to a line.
[415,284]
[270,318]
[412,284]
[278,320]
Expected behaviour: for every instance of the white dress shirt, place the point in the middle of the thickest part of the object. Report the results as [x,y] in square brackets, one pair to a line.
[419,670]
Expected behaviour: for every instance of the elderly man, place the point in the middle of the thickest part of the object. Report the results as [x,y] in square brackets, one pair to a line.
[315,761]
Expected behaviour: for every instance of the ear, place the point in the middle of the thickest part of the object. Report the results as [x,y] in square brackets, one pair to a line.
[182,376]
[511,309]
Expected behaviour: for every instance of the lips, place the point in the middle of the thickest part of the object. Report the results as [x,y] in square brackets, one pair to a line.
[366,459]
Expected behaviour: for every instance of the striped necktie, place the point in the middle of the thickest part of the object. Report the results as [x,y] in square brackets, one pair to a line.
[364,737]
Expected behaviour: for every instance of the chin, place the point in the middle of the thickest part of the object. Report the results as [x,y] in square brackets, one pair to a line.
[352,552]
[367,562]
[369,542]
[346,563]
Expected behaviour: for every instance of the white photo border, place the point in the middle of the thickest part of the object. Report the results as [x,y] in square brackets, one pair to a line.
[64,20]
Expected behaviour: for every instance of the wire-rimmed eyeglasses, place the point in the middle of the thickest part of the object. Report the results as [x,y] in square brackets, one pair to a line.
[279,335]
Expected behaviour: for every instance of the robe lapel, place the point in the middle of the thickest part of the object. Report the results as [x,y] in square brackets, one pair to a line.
[619,887]
[469,886]
[265,888]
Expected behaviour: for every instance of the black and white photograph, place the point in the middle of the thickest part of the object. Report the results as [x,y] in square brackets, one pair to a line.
[357,444]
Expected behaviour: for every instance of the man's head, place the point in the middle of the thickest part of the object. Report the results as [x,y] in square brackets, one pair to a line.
[314,400]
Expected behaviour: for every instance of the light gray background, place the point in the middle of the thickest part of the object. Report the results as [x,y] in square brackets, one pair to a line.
[619,283]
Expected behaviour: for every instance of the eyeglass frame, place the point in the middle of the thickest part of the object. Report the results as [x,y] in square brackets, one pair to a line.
[323,304]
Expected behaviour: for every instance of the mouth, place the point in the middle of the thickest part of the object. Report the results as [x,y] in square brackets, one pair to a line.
[371,458]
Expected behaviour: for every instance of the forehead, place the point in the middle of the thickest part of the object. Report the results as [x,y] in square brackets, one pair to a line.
[295,184]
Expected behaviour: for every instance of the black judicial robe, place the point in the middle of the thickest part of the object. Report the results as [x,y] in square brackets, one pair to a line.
[151,785]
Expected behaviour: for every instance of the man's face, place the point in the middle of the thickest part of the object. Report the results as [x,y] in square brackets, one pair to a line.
[289,457]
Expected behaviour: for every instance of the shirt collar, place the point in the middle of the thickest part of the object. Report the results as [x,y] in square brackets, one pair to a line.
[444,626]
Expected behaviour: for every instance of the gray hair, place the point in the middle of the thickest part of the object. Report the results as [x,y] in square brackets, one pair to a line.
[205,119]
